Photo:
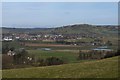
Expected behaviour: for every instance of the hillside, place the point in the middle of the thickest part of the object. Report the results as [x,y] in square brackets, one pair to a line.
[25,30]
[106,68]
[87,29]
[68,29]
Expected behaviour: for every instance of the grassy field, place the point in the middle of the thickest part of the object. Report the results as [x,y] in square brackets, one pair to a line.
[67,56]
[106,68]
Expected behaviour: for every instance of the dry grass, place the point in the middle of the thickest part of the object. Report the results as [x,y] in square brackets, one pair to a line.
[106,68]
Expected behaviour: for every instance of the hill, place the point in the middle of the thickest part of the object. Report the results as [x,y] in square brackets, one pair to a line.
[106,68]
[87,29]
[68,29]
[25,30]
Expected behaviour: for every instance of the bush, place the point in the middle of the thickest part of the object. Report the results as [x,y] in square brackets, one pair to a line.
[97,54]
[5,48]
[53,61]
[117,53]
[21,56]
[41,62]
[47,62]
[111,54]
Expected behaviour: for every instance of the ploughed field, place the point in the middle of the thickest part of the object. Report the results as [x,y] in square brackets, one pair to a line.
[105,68]
[57,46]
[49,45]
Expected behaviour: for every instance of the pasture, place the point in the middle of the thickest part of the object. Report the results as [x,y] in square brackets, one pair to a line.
[105,68]
[66,55]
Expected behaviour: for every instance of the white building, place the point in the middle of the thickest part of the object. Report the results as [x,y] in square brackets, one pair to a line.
[11,53]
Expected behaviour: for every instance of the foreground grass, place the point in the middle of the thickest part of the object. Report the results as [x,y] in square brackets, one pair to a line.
[106,68]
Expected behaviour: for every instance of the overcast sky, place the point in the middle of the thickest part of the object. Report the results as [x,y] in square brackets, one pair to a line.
[56,14]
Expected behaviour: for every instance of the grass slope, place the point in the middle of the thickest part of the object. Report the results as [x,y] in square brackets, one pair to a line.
[106,68]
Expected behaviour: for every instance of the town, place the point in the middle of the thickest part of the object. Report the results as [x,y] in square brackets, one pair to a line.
[93,38]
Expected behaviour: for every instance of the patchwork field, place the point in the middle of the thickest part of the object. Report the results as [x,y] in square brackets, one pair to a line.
[106,68]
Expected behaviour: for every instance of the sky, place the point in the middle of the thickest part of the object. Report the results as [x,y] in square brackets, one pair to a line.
[60,0]
[56,14]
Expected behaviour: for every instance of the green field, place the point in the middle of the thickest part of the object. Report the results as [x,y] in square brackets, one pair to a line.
[106,68]
[67,56]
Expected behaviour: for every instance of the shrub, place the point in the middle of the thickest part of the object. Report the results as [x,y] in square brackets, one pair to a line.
[97,54]
[21,56]
[41,62]
[53,61]
[5,48]
[111,54]
[117,53]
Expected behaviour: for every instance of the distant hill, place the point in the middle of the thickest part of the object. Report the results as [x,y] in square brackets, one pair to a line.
[106,68]
[25,30]
[86,29]
[69,29]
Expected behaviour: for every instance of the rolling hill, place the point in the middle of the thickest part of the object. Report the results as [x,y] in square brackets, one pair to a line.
[105,68]
[69,29]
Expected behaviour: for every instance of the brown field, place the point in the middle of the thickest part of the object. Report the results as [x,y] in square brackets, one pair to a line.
[48,45]
[77,51]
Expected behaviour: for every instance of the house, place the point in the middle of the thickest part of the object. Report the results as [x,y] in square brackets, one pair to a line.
[11,53]
[7,39]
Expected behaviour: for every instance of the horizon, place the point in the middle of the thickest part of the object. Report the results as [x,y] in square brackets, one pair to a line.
[54,27]
[57,14]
